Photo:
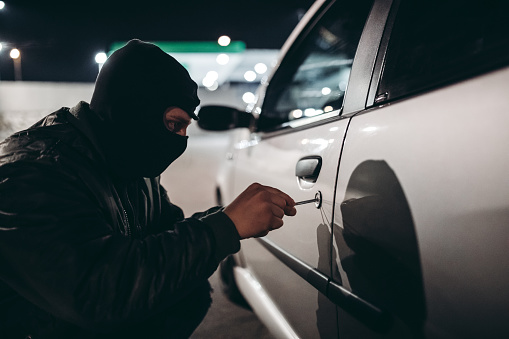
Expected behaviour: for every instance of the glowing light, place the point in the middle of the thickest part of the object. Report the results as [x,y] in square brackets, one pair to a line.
[250,76]
[14,53]
[210,80]
[213,87]
[1,46]
[326,91]
[333,129]
[260,68]
[296,113]
[207,82]
[222,59]
[328,109]
[101,58]
[212,75]
[224,40]
[248,97]
[370,129]
[2,5]
[311,112]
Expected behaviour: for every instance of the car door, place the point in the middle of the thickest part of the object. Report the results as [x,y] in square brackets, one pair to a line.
[296,147]
[422,205]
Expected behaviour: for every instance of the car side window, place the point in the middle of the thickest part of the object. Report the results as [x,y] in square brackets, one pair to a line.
[435,42]
[313,77]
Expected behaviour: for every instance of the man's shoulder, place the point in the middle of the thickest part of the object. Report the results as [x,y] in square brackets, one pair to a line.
[39,141]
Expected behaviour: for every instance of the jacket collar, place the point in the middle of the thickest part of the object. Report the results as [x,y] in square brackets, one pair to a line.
[80,118]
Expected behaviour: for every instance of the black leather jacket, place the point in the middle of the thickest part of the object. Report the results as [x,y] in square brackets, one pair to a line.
[83,256]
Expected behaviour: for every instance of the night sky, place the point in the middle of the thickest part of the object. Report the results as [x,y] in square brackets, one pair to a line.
[59,39]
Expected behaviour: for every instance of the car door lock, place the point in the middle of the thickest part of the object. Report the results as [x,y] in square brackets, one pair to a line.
[317,200]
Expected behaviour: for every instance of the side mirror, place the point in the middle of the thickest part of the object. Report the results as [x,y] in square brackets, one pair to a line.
[222,118]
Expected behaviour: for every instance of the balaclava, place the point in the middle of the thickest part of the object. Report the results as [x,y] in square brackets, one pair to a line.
[134,88]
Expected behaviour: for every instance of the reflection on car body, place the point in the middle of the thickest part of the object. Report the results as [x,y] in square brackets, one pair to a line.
[382,262]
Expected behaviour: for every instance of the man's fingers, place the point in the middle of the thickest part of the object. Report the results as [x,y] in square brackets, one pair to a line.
[259,210]
[262,234]
[283,204]
[290,211]
[288,200]
[278,201]
[278,211]
[275,223]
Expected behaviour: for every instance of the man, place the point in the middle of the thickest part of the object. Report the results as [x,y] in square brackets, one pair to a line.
[90,246]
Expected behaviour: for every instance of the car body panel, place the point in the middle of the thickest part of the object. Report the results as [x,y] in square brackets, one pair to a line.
[452,168]
[272,161]
[411,237]
[262,304]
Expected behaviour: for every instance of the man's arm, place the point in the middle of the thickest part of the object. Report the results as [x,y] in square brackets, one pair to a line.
[254,213]
[59,252]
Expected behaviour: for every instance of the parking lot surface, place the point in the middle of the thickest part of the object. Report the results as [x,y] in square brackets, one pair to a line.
[227,320]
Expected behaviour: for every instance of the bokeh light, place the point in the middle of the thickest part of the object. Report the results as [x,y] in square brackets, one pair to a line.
[224,40]
[101,58]
[260,68]
[296,113]
[222,59]
[212,75]
[248,97]
[250,76]
[213,87]
[326,91]
[15,53]
[207,82]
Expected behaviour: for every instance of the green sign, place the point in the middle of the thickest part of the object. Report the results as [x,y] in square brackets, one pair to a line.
[191,47]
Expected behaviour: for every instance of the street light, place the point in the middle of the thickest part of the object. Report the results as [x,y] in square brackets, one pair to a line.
[224,40]
[101,58]
[15,54]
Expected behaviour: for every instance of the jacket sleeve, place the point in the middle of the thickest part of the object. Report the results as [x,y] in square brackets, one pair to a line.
[59,252]
[225,233]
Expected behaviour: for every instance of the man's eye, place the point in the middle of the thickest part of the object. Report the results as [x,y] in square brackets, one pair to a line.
[174,126]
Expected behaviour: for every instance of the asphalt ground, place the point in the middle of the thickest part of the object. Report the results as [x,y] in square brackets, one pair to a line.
[191,182]
[227,320]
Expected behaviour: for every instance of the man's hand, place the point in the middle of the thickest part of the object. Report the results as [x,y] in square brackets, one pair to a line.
[259,210]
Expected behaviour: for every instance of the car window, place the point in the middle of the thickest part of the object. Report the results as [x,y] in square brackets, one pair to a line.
[313,78]
[434,42]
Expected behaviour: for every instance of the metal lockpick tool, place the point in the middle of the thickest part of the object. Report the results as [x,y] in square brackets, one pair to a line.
[303,202]
[317,200]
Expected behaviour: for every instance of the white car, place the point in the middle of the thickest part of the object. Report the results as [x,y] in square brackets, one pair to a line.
[395,116]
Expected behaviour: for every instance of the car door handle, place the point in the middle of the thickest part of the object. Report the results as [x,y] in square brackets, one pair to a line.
[308,168]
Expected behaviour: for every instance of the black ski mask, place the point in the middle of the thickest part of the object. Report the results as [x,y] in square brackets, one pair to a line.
[135,86]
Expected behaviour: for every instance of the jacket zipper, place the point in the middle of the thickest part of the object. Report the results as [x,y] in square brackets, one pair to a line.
[126,219]
[136,225]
